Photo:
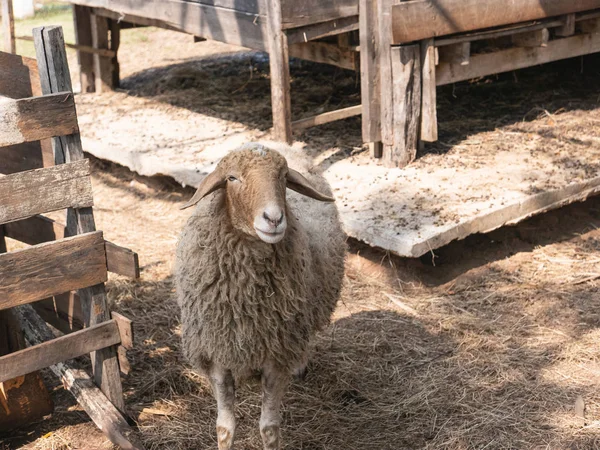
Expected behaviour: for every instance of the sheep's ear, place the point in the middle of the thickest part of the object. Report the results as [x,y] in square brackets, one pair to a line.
[297,182]
[213,181]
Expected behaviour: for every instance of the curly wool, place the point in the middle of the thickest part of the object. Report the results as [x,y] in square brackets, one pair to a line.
[244,301]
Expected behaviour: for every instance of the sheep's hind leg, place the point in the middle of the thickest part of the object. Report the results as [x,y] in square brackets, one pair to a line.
[224,391]
[274,384]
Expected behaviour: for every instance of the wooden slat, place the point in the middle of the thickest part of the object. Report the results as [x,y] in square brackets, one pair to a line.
[8,26]
[19,77]
[429,125]
[26,194]
[82,17]
[298,13]
[60,349]
[518,58]
[102,64]
[125,329]
[325,53]
[52,268]
[121,260]
[370,93]
[321,30]
[35,118]
[327,117]
[421,19]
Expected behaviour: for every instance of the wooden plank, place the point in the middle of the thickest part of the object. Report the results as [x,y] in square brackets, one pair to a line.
[518,58]
[327,117]
[429,125]
[384,25]
[568,27]
[325,53]
[58,350]
[54,76]
[299,13]
[102,65]
[321,30]
[538,38]
[122,261]
[27,156]
[102,412]
[406,73]
[369,73]
[281,106]
[131,21]
[83,38]
[459,53]
[125,329]
[34,118]
[421,19]
[52,268]
[8,26]
[26,194]
[19,76]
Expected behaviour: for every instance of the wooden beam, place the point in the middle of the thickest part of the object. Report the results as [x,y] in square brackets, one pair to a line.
[38,191]
[421,19]
[518,58]
[58,350]
[280,74]
[19,77]
[321,30]
[298,13]
[327,117]
[82,19]
[537,38]
[322,52]
[35,118]
[102,412]
[406,73]
[370,89]
[429,125]
[568,27]
[103,68]
[8,26]
[132,21]
[52,268]
[125,329]
[459,53]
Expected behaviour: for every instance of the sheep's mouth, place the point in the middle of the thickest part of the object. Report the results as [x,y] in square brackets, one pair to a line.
[270,237]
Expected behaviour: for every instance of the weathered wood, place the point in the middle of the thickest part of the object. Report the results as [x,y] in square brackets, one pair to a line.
[26,194]
[429,125]
[384,25]
[459,53]
[8,26]
[421,19]
[280,74]
[406,73]
[19,76]
[83,48]
[321,30]
[28,156]
[518,58]
[369,73]
[327,117]
[124,364]
[538,38]
[35,118]
[131,21]
[52,268]
[58,350]
[103,68]
[568,27]
[121,260]
[589,26]
[115,41]
[77,381]
[322,52]
[125,329]
[83,38]
[298,13]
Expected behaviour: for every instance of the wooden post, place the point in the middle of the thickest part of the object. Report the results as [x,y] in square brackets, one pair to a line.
[406,118]
[8,26]
[103,66]
[369,76]
[429,126]
[280,73]
[537,38]
[568,28]
[83,36]
[115,41]
[55,77]
[384,26]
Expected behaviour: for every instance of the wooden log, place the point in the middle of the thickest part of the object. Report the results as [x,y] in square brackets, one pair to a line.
[518,58]
[26,194]
[98,407]
[568,27]
[58,350]
[429,125]
[327,117]
[321,30]
[322,52]
[52,268]
[8,26]
[19,77]
[54,74]
[35,118]
[103,68]
[280,74]
[406,73]
[421,19]
[83,38]
[537,38]
[459,53]
[370,93]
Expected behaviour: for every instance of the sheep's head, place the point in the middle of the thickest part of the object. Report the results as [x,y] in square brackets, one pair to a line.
[255,181]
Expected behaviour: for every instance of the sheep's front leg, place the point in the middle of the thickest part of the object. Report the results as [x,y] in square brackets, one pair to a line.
[274,384]
[224,391]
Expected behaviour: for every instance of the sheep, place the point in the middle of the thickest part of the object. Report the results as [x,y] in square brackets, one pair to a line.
[258,272]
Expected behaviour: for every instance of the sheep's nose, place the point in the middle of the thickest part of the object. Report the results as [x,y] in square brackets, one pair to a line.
[274,216]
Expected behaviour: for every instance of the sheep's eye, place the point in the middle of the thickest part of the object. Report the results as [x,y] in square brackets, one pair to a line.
[231,178]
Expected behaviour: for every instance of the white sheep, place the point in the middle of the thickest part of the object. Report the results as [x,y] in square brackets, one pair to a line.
[258,272]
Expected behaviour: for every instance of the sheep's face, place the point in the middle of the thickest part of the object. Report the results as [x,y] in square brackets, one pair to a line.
[255,181]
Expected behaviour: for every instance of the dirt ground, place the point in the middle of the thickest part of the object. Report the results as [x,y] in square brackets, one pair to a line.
[488,344]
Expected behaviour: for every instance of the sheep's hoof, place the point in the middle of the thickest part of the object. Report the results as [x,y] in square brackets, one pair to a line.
[224,438]
[270,437]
